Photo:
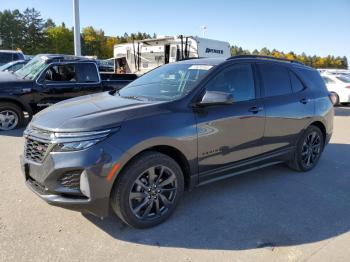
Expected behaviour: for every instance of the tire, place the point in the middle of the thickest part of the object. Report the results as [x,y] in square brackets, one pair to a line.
[143,201]
[309,150]
[11,116]
[337,103]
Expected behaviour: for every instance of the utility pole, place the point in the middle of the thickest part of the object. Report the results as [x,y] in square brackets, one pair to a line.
[204,30]
[77,46]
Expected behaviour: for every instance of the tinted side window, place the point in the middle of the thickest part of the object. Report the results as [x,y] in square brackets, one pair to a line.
[237,80]
[60,73]
[297,85]
[312,79]
[275,80]
[88,73]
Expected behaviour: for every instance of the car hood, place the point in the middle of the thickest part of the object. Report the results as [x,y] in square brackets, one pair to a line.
[88,113]
[8,77]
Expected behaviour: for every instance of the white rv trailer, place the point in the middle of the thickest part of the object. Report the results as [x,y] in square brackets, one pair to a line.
[144,55]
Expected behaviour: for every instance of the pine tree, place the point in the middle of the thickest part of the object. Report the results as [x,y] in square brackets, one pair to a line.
[34,31]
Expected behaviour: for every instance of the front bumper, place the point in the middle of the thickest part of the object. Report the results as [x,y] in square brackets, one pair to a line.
[45,179]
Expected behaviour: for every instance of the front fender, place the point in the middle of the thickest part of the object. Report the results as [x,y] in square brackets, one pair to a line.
[18,101]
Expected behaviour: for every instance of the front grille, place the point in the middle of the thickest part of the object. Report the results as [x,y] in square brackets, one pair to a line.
[35,150]
[71,180]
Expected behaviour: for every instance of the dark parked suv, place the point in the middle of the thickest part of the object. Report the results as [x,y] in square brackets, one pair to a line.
[177,127]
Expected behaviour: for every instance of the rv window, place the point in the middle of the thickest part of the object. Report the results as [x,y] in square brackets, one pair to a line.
[173,51]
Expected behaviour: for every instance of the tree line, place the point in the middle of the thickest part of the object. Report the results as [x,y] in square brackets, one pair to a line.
[313,61]
[29,32]
[32,34]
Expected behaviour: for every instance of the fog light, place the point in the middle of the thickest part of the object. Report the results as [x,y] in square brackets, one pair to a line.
[84,185]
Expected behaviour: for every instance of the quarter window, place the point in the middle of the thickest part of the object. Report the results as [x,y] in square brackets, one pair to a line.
[275,80]
[237,80]
[297,86]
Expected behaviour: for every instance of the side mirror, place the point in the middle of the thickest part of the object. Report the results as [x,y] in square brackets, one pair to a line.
[216,98]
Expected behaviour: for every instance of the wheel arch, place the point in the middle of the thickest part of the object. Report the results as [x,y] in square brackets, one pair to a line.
[176,154]
[18,102]
[322,127]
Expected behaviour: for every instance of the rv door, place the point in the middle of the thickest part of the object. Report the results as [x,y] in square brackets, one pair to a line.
[173,52]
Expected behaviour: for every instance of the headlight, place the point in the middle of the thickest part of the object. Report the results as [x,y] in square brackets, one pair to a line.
[78,140]
[73,146]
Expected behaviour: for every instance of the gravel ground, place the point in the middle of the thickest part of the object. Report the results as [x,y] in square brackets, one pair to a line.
[273,214]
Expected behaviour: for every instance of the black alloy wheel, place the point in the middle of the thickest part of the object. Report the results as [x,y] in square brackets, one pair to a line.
[147,190]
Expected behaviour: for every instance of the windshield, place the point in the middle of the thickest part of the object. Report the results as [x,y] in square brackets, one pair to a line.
[165,83]
[344,79]
[5,66]
[33,68]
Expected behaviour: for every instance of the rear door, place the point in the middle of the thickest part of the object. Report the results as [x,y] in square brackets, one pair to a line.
[288,106]
[88,78]
[230,133]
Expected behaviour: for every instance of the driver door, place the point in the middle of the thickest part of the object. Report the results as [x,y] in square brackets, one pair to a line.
[58,83]
[230,133]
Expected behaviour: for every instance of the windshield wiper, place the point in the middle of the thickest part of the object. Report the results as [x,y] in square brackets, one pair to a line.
[139,98]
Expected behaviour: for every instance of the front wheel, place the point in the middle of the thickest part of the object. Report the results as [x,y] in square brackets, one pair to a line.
[309,150]
[148,190]
[11,116]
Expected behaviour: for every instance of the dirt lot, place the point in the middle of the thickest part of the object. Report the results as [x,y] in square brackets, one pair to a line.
[271,215]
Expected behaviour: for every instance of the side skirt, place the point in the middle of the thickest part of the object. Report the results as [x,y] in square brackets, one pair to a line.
[245,166]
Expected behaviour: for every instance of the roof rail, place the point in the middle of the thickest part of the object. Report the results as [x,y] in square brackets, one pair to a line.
[264,57]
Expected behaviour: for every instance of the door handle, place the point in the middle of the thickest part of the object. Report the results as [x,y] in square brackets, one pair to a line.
[256,109]
[304,100]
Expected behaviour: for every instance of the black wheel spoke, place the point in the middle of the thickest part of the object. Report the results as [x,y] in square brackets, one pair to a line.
[148,209]
[169,180]
[137,195]
[161,171]
[168,189]
[151,175]
[141,184]
[157,207]
[139,207]
[165,201]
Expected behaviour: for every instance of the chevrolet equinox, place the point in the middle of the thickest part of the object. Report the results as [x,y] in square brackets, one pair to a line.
[177,127]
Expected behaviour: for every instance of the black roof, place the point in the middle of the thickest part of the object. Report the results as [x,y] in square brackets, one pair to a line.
[217,61]
[201,61]
[66,58]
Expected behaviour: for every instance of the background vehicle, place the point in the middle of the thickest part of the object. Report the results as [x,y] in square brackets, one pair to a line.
[106,66]
[9,56]
[338,85]
[13,66]
[144,55]
[48,79]
[179,126]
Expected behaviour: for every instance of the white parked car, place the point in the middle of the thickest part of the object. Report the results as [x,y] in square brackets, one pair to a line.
[339,85]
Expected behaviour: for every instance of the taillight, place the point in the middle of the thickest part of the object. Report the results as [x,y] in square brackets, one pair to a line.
[333,98]
[347,87]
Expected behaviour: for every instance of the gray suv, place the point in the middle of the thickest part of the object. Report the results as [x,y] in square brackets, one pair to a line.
[177,127]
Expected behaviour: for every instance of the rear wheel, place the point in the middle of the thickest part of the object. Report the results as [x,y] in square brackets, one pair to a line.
[148,190]
[309,150]
[11,116]
[337,102]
